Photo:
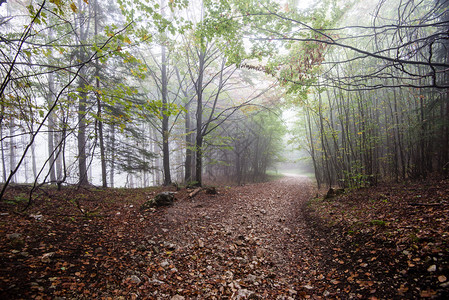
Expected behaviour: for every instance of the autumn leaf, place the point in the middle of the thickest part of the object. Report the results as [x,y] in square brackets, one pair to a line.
[427,293]
[73,7]
[56,2]
[402,289]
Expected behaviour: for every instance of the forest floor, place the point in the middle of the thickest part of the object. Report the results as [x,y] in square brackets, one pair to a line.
[272,240]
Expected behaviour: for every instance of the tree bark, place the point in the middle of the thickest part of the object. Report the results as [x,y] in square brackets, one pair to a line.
[199,119]
[82,106]
[99,108]
[51,128]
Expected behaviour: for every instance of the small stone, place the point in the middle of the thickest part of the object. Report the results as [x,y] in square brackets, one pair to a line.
[165,263]
[432,268]
[170,246]
[200,243]
[251,278]
[141,247]
[161,199]
[229,275]
[260,252]
[37,217]
[46,258]
[442,278]
[13,236]
[135,279]
[309,287]
[244,293]
[155,281]
[211,190]
[177,297]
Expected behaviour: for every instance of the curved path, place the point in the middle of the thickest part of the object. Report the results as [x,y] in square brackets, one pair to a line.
[248,241]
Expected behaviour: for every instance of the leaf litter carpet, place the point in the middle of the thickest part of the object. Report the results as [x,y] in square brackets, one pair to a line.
[258,241]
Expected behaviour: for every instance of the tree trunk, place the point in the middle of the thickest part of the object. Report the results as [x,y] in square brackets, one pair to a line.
[199,120]
[12,152]
[100,122]
[312,151]
[165,115]
[51,128]
[189,144]
[33,161]
[3,155]
[165,124]
[112,156]
[82,106]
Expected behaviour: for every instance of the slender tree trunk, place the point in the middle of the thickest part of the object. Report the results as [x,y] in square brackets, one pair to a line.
[99,108]
[157,163]
[112,156]
[165,120]
[82,158]
[324,142]
[82,106]
[312,150]
[33,161]
[189,145]
[51,128]
[60,163]
[12,151]
[3,155]
[199,120]
[445,161]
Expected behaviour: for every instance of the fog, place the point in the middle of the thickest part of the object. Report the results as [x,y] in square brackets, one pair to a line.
[173,92]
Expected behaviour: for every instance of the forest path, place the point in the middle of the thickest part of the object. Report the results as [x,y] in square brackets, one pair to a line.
[258,241]
[245,240]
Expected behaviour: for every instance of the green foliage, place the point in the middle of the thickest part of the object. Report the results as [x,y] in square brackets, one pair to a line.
[148,14]
[18,199]
[378,222]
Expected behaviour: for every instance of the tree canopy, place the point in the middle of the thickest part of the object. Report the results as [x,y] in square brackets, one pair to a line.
[156,91]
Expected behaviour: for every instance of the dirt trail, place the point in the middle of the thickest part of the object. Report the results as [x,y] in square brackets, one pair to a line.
[247,242]
[249,239]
